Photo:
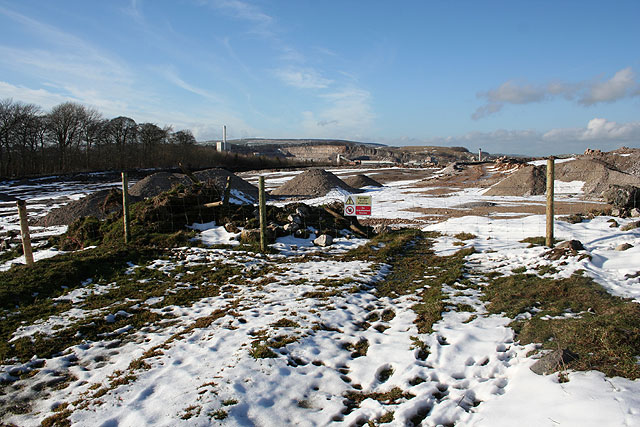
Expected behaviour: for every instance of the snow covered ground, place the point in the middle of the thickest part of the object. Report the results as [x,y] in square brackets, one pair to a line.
[316,309]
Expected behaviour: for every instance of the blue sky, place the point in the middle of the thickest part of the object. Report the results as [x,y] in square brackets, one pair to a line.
[528,77]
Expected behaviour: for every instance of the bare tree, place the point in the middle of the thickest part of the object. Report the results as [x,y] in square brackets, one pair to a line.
[151,137]
[64,124]
[93,128]
[122,133]
[183,137]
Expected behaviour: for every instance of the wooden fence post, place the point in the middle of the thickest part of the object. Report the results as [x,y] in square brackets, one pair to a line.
[550,189]
[125,207]
[24,231]
[263,214]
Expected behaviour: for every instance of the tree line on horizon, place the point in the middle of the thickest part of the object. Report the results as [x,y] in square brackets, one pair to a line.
[72,137]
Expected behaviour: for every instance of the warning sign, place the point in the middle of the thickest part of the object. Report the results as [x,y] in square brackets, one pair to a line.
[357,205]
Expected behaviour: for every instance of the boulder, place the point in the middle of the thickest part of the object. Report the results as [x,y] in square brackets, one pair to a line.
[634,213]
[575,245]
[630,226]
[381,229]
[324,240]
[291,228]
[231,228]
[553,362]
[623,247]
[294,219]
[250,235]
[622,196]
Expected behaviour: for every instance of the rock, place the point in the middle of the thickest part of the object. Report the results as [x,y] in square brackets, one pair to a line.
[381,229]
[295,219]
[231,228]
[635,212]
[630,226]
[324,240]
[615,212]
[564,250]
[451,169]
[553,362]
[613,223]
[250,235]
[575,245]
[622,196]
[623,247]
[291,228]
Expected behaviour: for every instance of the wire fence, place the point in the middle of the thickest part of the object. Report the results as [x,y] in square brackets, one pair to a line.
[465,209]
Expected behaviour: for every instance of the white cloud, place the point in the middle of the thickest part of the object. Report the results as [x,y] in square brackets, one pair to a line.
[622,85]
[171,75]
[597,129]
[303,78]
[41,97]
[510,92]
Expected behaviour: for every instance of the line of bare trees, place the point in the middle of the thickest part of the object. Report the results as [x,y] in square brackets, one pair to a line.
[72,137]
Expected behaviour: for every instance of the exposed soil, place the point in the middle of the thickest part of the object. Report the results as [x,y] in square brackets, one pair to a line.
[361,180]
[99,204]
[160,182]
[528,181]
[498,211]
[312,183]
[598,172]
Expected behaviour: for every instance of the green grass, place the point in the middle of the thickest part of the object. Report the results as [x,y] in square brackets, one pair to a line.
[465,236]
[606,336]
[409,254]
[538,241]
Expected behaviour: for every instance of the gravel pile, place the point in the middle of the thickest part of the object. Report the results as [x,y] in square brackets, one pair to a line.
[312,183]
[160,182]
[99,204]
[528,181]
[360,181]
[597,172]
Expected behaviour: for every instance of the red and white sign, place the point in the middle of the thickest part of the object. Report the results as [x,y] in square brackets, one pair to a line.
[355,205]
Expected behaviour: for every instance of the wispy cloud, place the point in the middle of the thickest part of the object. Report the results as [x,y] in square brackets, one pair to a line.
[171,75]
[242,10]
[41,97]
[303,78]
[622,85]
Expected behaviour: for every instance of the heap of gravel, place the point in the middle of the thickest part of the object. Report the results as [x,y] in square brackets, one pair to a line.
[99,204]
[157,183]
[360,181]
[160,182]
[596,173]
[528,181]
[312,183]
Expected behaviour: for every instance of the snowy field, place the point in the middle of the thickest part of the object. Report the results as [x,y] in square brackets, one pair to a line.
[315,307]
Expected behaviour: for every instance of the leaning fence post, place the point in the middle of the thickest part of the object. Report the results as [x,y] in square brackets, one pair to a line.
[24,231]
[125,207]
[263,214]
[550,188]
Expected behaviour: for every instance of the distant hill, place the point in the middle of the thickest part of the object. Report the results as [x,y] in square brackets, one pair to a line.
[328,150]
